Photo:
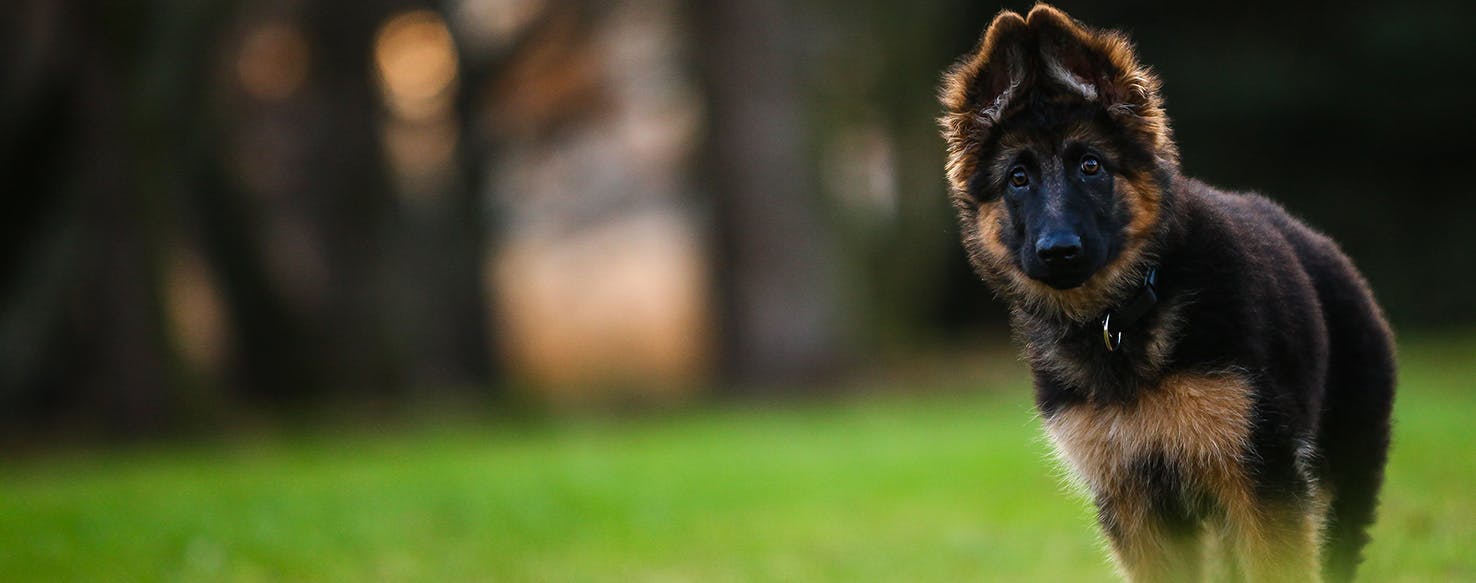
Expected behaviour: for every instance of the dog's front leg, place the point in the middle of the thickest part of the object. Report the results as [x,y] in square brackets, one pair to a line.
[1276,542]
[1148,544]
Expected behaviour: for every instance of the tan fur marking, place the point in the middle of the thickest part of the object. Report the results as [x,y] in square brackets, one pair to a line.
[1200,424]
[1143,199]
[1276,544]
[989,232]
[1147,551]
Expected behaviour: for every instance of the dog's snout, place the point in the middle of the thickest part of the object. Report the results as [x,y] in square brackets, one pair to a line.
[1059,248]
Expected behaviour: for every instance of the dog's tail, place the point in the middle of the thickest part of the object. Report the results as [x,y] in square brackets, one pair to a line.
[1354,436]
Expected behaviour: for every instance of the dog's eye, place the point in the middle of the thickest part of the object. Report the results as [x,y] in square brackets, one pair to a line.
[1018,178]
[1090,165]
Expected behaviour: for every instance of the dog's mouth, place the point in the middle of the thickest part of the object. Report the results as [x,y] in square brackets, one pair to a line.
[1065,281]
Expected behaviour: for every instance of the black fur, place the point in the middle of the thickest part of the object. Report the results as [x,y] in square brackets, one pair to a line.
[1243,287]
[1265,294]
[1260,293]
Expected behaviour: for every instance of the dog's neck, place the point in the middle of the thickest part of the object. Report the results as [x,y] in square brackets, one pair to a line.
[1076,355]
[1121,320]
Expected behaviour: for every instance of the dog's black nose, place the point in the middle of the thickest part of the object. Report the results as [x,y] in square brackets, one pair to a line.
[1058,249]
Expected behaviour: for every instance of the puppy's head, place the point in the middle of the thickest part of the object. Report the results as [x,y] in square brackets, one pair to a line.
[1058,150]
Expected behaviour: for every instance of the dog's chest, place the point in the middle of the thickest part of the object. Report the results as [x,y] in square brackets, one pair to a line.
[1197,424]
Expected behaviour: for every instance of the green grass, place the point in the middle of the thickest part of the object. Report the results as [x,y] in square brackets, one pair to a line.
[931,487]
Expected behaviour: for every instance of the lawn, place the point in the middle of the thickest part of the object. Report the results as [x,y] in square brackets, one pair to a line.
[942,485]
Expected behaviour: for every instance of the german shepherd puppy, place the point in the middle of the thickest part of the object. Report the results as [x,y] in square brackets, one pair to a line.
[1214,372]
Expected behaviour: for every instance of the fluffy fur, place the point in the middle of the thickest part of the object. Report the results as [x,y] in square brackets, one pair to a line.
[1242,426]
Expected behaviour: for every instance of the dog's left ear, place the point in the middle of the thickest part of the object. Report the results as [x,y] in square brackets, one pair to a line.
[1101,66]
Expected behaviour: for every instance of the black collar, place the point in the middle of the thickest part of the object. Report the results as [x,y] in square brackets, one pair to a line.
[1128,314]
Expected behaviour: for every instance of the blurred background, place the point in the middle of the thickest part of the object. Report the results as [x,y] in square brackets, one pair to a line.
[222,217]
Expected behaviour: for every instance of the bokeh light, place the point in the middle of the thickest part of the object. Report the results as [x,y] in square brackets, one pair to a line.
[416,62]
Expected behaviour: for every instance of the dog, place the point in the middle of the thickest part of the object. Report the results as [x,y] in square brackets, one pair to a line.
[1215,373]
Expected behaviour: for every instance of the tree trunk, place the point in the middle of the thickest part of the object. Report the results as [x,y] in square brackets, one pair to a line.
[778,270]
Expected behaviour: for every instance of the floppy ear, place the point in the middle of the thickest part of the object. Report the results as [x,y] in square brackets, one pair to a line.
[976,90]
[1101,66]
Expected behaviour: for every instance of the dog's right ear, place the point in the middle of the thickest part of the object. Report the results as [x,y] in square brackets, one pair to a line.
[984,80]
[977,89]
